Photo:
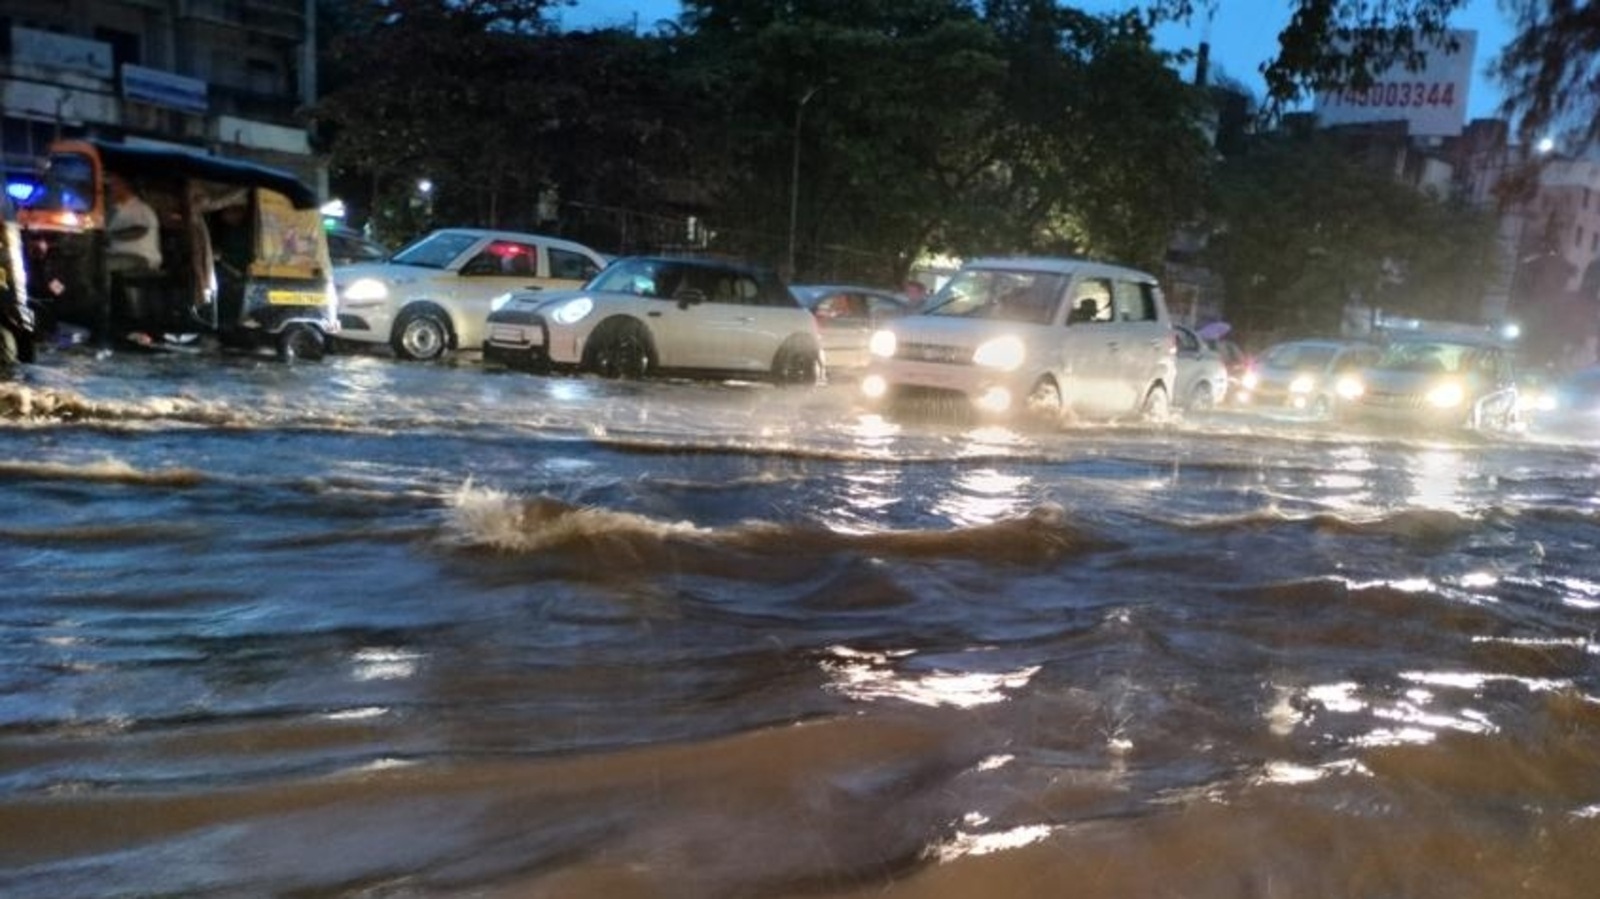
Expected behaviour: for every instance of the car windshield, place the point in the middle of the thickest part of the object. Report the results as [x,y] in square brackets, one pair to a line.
[1430,357]
[1019,296]
[436,250]
[1299,356]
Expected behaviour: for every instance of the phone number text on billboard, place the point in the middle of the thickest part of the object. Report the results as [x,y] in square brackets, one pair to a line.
[1398,95]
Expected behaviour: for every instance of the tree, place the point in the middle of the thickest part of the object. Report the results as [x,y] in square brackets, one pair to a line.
[1303,228]
[936,126]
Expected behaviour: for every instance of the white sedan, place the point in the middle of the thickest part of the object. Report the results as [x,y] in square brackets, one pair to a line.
[650,314]
[433,295]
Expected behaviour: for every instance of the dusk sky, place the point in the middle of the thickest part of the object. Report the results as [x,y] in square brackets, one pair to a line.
[1243,35]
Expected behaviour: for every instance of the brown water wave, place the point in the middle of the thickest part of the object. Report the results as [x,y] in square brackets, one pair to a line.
[524,525]
[925,804]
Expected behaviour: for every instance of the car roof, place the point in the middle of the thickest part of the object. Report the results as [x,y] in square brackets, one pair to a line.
[1472,340]
[1058,264]
[497,234]
[699,262]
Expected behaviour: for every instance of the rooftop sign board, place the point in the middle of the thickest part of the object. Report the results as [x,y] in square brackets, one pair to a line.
[1432,101]
[160,88]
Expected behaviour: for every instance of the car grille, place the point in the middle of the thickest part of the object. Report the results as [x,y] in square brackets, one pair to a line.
[934,352]
[1382,400]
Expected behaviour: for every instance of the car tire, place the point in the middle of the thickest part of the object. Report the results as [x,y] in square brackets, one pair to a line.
[797,364]
[1201,398]
[620,349]
[420,336]
[1044,404]
[300,342]
[1157,406]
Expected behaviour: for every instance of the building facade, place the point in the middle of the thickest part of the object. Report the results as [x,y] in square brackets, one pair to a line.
[228,77]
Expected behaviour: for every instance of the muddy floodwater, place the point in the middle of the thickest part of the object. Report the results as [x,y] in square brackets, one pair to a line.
[368,629]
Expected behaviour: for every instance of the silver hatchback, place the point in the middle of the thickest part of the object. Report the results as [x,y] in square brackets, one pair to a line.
[1050,338]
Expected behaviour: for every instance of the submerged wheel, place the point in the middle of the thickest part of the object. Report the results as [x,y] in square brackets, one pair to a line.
[1201,398]
[1156,408]
[797,364]
[300,341]
[420,336]
[1043,403]
[620,349]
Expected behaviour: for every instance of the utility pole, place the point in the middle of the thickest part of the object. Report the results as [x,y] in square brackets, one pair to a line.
[794,179]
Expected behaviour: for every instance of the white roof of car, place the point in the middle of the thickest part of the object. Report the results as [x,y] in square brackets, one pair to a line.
[524,236]
[1061,264]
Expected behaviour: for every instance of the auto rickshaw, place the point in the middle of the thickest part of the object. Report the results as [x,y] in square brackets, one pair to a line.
[243,255]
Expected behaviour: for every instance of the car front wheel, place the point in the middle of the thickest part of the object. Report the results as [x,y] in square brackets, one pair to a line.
[420,336]
[1044,404]
[620,349]
[798,365]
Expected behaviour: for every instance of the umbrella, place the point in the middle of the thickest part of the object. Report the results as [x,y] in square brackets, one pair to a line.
[1214,331]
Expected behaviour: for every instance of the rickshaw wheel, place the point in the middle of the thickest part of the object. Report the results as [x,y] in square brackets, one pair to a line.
[298,341]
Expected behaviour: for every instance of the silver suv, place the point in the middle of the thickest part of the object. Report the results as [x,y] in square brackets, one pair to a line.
[1049,338]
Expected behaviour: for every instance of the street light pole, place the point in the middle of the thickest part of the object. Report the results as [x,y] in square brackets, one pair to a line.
[794,179]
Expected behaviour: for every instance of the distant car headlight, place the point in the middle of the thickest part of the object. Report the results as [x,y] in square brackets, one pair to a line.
[883,344]
[1350,387]
[1005,353]
[499,302]
[1250,379]
[1446,396]
[366,290]
[1303,384]
[572,311]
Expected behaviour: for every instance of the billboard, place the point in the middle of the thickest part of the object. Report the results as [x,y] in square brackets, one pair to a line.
[1432,100]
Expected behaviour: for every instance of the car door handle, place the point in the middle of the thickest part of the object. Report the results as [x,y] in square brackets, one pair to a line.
[1113,345]
[745,319]
[653,313]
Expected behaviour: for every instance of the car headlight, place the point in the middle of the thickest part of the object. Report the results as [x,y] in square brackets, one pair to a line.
[499,302]
[572,311]
[1250,379]
[1302,384]
[883,344]
[1446,396]
[1005,353]
[366,290]
[1350,387]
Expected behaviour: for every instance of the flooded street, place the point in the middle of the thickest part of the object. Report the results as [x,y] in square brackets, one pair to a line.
[361,628]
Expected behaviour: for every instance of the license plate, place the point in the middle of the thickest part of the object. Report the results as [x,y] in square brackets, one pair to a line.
[513,334]
[295,298]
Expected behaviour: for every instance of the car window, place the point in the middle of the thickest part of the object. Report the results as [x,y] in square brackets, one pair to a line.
[1352,360]
[1136,302]
[883,307]
[837,306]
[1091,301]
[505,259]
[1022,296]
[571,266]
[1299,356]
[435,250]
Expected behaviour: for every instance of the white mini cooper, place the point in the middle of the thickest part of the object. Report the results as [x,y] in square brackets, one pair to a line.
[432,296]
